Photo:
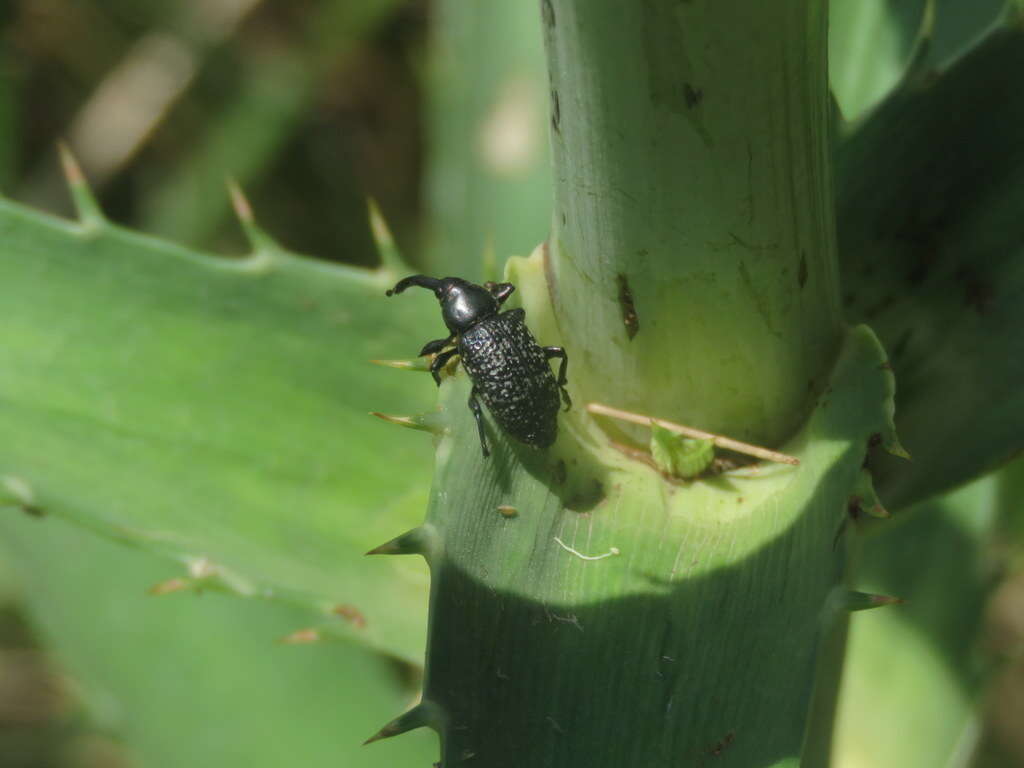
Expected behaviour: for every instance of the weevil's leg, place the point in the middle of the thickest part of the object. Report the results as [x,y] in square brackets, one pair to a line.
[436,345]
[550,352]
[474,406]
[439,362]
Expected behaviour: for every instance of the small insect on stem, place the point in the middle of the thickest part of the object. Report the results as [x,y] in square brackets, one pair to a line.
[719,440]
[511,373]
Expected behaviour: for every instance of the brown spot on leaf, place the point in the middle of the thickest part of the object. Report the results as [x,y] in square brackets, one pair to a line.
[629,316]
[722,744]
[559,473]
[353,614]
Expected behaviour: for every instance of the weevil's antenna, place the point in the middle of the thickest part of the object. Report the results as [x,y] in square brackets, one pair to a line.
[423,281]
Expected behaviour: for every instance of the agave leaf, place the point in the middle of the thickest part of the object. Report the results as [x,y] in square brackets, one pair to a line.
[932,242]
[186,679]
[215,411]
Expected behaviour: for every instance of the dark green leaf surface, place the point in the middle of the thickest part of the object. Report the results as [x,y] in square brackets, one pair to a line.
[931,190]
[216,411]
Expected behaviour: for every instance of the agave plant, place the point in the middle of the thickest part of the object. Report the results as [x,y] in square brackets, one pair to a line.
[726,252]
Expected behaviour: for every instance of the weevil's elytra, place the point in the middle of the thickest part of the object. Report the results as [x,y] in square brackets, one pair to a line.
[509,370]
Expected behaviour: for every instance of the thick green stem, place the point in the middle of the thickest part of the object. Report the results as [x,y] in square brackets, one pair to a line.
[585,609]
[691,157]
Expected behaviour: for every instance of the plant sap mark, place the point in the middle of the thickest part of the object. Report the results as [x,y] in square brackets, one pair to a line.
[629,316]
[556,112]
[801,275]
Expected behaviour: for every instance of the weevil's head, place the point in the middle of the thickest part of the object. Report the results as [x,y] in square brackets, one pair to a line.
[463,304]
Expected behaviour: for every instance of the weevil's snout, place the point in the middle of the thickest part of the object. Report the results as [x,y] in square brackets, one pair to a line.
[421,281]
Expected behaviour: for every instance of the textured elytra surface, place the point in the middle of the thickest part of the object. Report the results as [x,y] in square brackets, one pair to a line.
[513,377]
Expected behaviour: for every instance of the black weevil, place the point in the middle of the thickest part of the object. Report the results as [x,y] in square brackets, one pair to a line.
[509,370]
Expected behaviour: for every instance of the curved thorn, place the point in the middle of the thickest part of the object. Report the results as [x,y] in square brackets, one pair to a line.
[420,716]
[419,541]
[89,211]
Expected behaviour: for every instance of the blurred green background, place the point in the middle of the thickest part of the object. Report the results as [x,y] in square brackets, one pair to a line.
[438,110]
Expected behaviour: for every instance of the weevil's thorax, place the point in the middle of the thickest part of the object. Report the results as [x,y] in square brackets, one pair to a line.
[464,304]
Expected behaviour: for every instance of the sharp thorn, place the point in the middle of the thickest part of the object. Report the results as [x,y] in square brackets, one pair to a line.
[418,541]
[423,715]
[89,211]
[390,259]
[419,364]
[240,203]
[877,510]
[864,498]
[862,601]
[893,446]
[423,422]
[261,244]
